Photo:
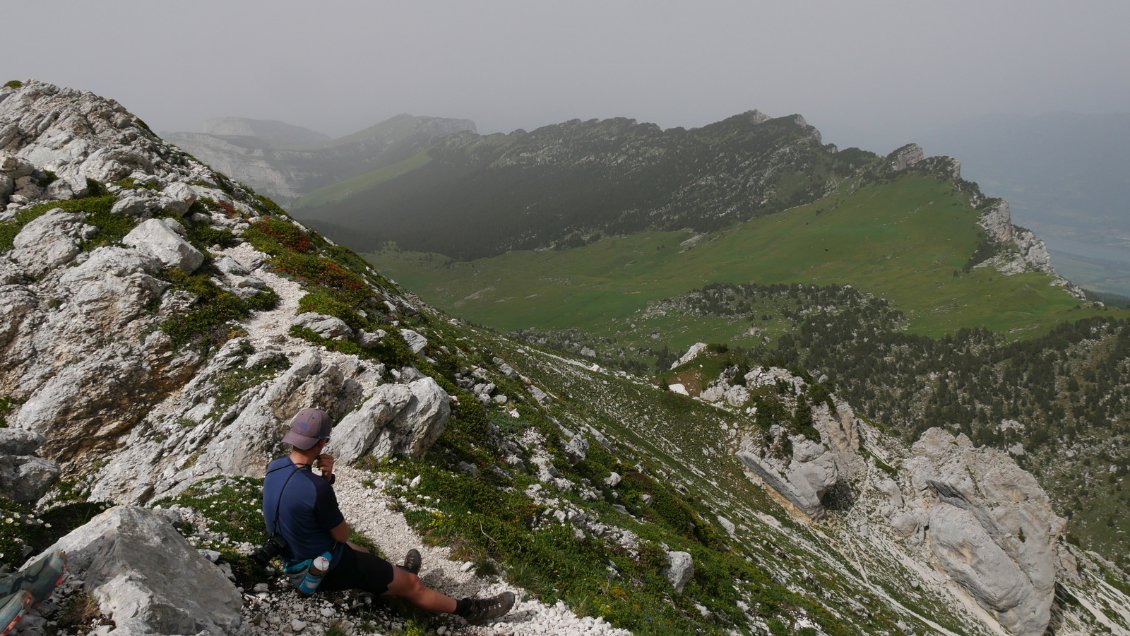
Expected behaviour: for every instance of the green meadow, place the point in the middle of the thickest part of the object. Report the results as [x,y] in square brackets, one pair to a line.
[907,241]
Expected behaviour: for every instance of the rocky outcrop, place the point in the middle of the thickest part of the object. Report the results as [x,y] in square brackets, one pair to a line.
[418,426]
[987,524]
[77,136]
[397,419]
[147,579]
[691,354]
[355,435]
[1019,249]
[23,476]
[803,470]
[680,570]
[325,326]
[49,241]
[905,157]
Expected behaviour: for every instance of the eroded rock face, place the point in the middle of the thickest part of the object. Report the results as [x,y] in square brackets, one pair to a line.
[49,241]
[197,435]
[989,526]
[811,468]
[23,476]
[147,578]
[77,135]
[906,156]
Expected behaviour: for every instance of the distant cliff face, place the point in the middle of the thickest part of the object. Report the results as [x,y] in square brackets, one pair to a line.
[285,161]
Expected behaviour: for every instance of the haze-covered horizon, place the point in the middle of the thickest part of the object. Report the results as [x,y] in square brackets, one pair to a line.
[873,74]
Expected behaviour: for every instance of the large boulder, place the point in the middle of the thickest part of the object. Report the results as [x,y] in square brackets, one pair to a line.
[413,431]
[355,434]
[147,579]
[990,527]
[14,441]
[26,478]
[416,342]
[159,239]
[680,570]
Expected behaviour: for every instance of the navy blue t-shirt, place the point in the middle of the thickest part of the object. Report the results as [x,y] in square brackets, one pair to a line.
[307,510]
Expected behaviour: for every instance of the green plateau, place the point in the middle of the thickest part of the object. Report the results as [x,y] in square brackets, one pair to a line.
[907,241]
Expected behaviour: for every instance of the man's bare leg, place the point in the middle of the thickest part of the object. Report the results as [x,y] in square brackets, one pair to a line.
[408,587]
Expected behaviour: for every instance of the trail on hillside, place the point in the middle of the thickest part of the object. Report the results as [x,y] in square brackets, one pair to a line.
[369,511]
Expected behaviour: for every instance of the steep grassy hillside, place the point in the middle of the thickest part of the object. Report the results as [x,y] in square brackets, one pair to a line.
[908,241]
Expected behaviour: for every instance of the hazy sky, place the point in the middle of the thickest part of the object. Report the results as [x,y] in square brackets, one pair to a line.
[867,73]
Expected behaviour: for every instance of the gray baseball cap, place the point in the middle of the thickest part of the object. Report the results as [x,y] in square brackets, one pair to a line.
[308,427]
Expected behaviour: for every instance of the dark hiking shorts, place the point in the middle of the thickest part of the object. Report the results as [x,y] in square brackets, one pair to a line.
[358,571]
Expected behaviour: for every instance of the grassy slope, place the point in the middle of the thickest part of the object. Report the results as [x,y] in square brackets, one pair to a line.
[362,182]
[906,241]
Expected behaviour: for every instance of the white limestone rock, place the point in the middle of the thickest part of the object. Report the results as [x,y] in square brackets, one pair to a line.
[680,570]
[691,354]
[52,240]
[137,203]
[577,449]
[147,579]
[26,478]
[737,395]
[905,157]
[178,198]
[354,436]
[370,338]
[416,342]
[413,431]
[714,393]
[325,326]
[991,527]
[159,239]
[14,441]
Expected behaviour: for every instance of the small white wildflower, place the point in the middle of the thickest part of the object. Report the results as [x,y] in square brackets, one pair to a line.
[8,520]
[46,525]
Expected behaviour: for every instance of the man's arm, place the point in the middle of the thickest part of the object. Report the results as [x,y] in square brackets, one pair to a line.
[340,533]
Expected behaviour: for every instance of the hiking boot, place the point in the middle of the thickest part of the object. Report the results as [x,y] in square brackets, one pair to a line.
[481,610]
[412,561]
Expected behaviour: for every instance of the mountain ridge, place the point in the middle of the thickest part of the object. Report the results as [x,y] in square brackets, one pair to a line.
[565,183]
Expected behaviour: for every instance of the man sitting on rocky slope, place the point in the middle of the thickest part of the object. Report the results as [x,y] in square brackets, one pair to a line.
[302,508]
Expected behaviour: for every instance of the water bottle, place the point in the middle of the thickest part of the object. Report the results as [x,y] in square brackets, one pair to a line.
[314,574]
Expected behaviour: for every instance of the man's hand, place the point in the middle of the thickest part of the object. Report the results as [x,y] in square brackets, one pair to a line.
[326,465]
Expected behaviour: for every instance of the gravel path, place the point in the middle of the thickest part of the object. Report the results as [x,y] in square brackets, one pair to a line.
[269,327]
